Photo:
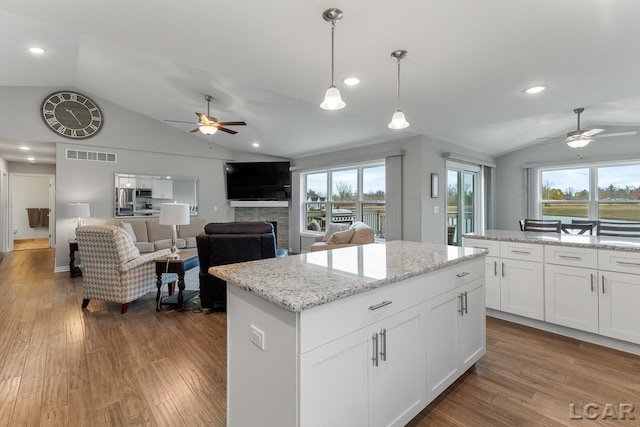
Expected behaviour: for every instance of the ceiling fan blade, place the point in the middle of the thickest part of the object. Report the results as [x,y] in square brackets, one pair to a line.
[232,123]
[558,138]
[232,132]
[592,132]
[203,119]
[627,133]
[178,121]
[195,130]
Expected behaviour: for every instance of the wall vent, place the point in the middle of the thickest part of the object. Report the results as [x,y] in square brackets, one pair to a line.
[91,156]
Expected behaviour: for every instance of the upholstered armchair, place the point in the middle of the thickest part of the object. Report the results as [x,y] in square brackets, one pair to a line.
[228,243]
[112,267]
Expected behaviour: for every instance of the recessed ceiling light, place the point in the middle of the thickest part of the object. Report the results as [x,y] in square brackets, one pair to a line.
[535,89]
[351,81]
[36,50]
[24,148]
[255,144]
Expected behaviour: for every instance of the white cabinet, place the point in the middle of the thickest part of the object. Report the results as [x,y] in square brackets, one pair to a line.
[145,183]
[371,377]
[522,279]
[455,330]
[162,189]
[492,270]
[571,289]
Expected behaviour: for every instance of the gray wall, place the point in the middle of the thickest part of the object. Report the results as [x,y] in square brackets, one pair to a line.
[510,185]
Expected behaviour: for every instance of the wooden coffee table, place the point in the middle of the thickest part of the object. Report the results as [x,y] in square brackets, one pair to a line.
[185,261]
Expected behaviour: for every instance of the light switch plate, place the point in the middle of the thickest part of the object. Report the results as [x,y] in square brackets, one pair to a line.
[257,337]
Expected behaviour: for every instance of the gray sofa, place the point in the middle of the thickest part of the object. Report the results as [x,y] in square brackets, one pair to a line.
[149,235]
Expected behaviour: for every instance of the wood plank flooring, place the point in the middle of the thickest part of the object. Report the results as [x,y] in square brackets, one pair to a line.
[26,244]
[63,366]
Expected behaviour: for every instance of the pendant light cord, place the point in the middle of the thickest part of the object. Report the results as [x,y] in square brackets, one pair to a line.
[398,86]
[333,27]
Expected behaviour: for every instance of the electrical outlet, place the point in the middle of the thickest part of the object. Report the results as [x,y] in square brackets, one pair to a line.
[257,337]
[436,209]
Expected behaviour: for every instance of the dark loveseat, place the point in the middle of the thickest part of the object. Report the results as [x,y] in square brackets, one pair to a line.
[228,243]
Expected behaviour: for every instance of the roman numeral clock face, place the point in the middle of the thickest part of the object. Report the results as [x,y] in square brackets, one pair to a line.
[71,115]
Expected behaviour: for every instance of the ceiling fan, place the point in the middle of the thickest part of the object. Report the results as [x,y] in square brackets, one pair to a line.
[580,138]
[209,125]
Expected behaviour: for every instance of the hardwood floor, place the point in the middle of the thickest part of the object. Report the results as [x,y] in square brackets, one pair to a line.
[60,365]
[26,244]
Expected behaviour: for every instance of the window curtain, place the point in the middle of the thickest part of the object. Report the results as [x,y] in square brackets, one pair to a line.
[393,196]
[531,199]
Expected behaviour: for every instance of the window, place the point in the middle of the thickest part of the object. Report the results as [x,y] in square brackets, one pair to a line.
[607,192]
[357,193]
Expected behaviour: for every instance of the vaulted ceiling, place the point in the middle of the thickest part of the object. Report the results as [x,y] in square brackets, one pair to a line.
[268,63]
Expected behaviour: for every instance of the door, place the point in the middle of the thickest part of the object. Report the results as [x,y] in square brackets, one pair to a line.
[571,297]
[398,382]
[462,201]
[472,324]
[492,282]
[522,288]
[619,315]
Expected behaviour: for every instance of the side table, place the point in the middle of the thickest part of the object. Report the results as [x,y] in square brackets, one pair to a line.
[73,268]
[185,261]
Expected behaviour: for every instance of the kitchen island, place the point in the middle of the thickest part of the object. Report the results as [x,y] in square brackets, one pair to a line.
[358,336]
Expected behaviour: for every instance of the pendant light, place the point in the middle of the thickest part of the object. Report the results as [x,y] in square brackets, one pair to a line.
[332,99]
[398,120]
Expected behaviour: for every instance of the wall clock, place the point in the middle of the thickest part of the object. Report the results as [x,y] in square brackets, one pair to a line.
[71,115]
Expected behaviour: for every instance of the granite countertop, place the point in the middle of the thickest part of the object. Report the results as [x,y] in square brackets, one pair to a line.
[561,239]
[300,282]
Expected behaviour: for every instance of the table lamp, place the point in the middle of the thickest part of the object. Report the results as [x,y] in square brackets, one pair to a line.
[79,211]
[174,214]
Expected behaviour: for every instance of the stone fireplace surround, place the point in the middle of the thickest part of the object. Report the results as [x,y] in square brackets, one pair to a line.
[280,215]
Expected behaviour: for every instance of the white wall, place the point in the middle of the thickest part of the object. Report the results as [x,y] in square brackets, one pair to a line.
[510,185]
[28,191]
[4,205]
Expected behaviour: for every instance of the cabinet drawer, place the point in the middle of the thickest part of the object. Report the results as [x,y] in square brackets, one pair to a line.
[576,257]
[620,261]
[522,251]
[324,323]
[493,246]
[441,281]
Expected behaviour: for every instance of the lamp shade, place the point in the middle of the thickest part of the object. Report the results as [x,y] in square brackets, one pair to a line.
[398,121]
[332,99]
[78,210]
[578,142]
[174,214]
[208,129]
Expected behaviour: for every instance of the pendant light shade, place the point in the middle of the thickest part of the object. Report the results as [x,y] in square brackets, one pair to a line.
[398,121]
[579,142]
[332,99]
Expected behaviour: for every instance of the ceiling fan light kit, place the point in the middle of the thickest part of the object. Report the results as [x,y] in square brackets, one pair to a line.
[332,99]
[207,129]
[398,121]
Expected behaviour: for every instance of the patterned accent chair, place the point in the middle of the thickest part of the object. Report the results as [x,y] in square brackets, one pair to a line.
[112,267]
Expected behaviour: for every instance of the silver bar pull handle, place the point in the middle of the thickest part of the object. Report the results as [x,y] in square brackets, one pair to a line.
[603,283]
[520,252]
[503,269]
[466,303]
[464,273]
[495,268]
[461,309]
[574,258]
[591,282]
[377,306]
[383,344]
[374,341]
[631,264]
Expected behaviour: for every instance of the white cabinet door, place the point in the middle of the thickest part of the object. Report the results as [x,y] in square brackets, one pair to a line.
[619,314]
[162,189]
[398,382]
[571,297]
[522,288]
[472,344]
[492,282]
[334,382]
[342,385]
[442,342]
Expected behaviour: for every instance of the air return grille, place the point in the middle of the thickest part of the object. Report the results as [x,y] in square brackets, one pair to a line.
[96,156]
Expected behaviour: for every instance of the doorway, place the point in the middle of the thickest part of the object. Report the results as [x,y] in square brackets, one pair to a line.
[462,201]
[30,206]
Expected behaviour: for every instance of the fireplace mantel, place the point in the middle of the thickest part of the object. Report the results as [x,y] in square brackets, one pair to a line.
[259,203]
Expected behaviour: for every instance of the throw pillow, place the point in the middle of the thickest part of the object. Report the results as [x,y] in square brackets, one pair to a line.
[333,227]
[129,229]
[341,237]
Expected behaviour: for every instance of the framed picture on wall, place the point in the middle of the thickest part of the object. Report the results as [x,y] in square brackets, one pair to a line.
[434,185]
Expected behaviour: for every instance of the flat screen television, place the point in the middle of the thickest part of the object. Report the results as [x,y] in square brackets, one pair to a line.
[258,181]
